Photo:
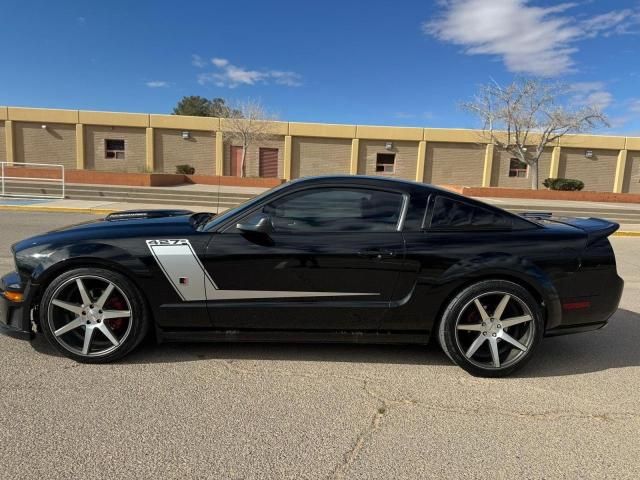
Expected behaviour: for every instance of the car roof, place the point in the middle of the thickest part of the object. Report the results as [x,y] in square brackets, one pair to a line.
[367,180]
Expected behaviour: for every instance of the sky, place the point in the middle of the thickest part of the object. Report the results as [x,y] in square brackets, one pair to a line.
[402,62]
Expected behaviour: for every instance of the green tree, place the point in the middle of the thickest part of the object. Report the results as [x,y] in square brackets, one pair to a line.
[193,105]
[197,106]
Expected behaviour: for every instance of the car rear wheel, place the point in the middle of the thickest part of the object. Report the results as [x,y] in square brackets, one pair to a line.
[491,328]
[93,315]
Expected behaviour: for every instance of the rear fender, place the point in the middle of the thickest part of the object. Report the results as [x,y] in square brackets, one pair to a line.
[501,265]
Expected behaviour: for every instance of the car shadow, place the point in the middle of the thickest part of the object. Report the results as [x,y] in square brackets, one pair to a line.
[615,346]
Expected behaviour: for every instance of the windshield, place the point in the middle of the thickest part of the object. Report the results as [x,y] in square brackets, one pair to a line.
[220,219]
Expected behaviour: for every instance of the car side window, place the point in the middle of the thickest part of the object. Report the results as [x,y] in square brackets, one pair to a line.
[453,214]
[336,210]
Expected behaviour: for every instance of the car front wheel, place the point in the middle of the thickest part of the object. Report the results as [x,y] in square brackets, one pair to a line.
[491,328]
[93,315]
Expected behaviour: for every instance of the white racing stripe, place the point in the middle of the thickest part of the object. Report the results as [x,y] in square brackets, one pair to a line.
[177,259]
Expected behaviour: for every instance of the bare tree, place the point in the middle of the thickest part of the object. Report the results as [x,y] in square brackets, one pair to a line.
[525,116]
[247,125]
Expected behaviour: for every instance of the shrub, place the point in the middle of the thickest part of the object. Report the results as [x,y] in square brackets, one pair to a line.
[185,169]
[567,184]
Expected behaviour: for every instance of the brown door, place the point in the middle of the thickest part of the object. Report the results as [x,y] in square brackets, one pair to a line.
[268,162]
[236,161]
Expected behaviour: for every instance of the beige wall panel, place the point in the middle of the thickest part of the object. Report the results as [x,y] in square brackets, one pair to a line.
[171,149]
[406,158]
[500,174]
[135,145]
[632,173]
[55,144]
[320,156]
[3,144]
[597,172]
[454,164]
[322,130]
[44,115]
[252,160]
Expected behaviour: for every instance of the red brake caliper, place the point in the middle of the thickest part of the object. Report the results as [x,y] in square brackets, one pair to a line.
[116,303]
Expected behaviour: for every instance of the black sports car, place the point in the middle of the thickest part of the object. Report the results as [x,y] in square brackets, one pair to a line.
[332,259]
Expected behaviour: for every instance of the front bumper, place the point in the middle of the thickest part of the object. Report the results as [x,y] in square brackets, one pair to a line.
[14,316]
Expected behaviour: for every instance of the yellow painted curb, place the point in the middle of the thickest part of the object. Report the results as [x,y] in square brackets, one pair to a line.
[27,208]
[627,234]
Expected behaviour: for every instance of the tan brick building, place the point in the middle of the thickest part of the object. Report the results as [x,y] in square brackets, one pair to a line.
[126,142]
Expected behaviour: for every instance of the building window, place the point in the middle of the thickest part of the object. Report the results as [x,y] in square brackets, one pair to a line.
[114,149]
[518,168]
[385,162]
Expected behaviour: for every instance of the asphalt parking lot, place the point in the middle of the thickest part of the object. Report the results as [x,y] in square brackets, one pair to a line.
[321,411]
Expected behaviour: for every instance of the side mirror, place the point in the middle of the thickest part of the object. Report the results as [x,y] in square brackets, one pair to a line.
[259,223]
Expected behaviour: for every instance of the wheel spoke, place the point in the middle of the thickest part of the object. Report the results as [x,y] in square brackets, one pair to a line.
[475,345]
[471,327]
[493,344]
[483,313]
[510,322]
[107,333]
[88,336]
[72,307]
[508,338]
[105,295]
[86,300]
[501,306]
[107,314]
[69,326]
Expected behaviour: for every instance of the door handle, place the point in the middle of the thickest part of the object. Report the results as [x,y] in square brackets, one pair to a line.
[378,254]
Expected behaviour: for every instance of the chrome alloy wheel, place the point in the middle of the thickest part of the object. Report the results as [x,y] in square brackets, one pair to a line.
[495,330]
[89,315]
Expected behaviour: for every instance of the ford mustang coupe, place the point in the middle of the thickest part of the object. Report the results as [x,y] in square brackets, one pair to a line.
[330,259]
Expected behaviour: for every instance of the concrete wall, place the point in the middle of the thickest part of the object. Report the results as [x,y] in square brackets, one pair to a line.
[317,156]
[500,172]
[454,163]
[135,148]
[55,144]
[171,150]
[405,161]
[632,173]
[597,172]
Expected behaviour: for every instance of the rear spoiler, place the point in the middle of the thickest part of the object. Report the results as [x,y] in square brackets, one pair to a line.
[595,228]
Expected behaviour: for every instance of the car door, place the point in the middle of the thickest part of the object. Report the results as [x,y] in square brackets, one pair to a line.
[330,262]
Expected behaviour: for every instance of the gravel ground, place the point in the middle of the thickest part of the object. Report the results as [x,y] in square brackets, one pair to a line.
[321,411]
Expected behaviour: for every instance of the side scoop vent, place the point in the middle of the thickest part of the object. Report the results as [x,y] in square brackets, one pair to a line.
[142,214]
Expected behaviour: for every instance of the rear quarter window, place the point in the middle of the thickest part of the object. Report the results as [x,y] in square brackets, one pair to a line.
[450,214]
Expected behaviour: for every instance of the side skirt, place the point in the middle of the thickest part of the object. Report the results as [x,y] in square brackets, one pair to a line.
[293,337]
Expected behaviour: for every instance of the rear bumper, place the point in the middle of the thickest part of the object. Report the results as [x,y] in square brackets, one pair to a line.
[14,316]
[593,312]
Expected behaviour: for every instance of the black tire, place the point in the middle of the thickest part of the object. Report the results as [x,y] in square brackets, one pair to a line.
[128,331]
[487,339]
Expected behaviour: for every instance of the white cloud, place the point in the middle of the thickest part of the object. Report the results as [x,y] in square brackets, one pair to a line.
[529,39]
[232,76]
[220,62]
[590,94]
[290,79]
[157,84]
[198,61]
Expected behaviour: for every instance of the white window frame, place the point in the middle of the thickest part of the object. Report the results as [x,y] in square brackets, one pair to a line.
[518,170]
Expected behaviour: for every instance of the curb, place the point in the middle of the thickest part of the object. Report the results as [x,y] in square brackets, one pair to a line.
[626,234]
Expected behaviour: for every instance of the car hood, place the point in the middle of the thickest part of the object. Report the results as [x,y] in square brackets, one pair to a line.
[162,223]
